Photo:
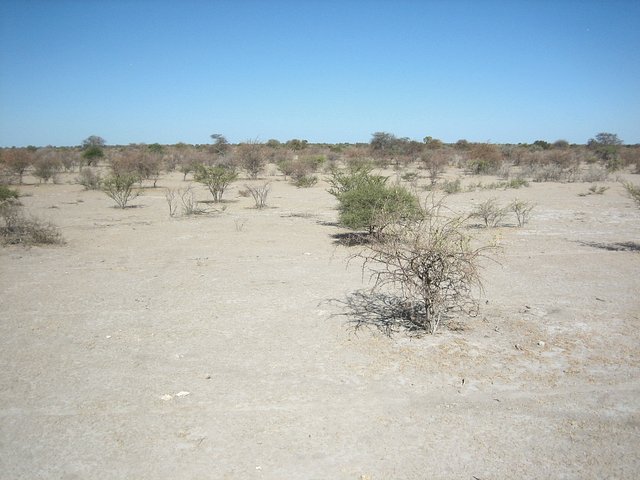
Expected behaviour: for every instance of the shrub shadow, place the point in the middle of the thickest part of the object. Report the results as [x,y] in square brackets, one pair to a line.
[386,313]
[351,239]
[614,247]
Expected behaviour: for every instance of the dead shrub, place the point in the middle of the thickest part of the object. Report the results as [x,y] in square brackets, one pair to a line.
[430,264]
[259,194]
[18,229]
[89,178]
[595,173]
[522,210]
[490,213]
[484,158]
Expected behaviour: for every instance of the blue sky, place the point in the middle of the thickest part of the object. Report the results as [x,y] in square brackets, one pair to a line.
[327,71]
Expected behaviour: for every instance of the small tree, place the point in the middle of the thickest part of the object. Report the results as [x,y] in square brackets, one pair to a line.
[484,158]
[119,187]
[606,146]
[92,155]
[429,261]
[251,157]
[46,167]
[92,149]
[220,144]
[17,160]
[93,141]
[215,178]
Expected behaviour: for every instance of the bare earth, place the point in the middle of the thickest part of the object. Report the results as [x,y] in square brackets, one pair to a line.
[151,347]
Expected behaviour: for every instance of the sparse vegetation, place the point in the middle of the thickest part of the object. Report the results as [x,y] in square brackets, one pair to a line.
[594,190]
[633,191]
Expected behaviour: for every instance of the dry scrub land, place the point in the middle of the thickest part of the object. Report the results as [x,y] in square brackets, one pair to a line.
[215,346]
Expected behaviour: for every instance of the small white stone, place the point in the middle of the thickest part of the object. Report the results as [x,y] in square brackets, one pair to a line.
[166,397]
[182,394]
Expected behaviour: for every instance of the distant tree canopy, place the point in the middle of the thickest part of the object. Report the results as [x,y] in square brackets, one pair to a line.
[606,146]
[604,138]
[220,144]
[93,141]
[297,144]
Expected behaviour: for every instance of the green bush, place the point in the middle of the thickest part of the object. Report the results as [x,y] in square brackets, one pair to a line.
[306,181]
[216,178]
[120,188]
[366,201]
[7,193]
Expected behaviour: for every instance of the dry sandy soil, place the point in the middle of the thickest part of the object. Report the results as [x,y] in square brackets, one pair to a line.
[151,347]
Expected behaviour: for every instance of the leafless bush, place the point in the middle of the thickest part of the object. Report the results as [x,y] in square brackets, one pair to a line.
[430,263]
[546,173]
[89,178]
[190,205]
[595,173]
[259,194]
[252,157]
[46,166]
[484,158]
[522,210]
[435,162]
[17,161]
[171,196]
[490,213]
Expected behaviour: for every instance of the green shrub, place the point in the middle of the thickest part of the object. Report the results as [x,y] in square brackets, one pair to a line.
[7,193]
[120,188]
[306,181]
[366,201]
[216,178]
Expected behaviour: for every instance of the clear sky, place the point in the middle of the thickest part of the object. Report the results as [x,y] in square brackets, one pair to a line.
[136,71]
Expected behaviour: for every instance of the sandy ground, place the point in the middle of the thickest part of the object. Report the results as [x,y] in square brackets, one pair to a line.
[152,347]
